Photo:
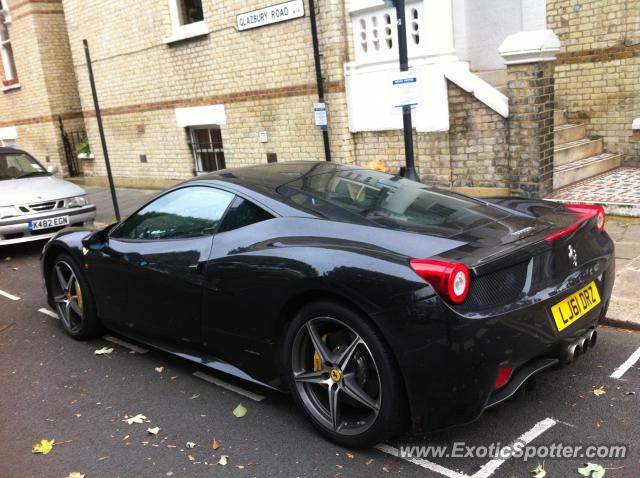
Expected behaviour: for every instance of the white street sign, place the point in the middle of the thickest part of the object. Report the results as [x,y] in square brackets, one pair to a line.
[320,113]
[274,14]
[405,90]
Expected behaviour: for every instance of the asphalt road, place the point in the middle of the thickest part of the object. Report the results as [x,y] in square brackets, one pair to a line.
[53,387]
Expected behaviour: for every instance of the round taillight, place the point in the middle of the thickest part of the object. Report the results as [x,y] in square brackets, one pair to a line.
[459,283]
[450,279]
[600,220]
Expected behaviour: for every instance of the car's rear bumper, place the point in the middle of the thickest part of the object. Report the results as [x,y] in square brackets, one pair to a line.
[450,361]
[16,230]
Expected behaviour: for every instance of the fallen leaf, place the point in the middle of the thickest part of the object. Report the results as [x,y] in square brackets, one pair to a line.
[44,447]
[139,418]
[224,459]
[340,467]
[592,470]
[75,474]
[369,461]
[386,467]
[240,467]
[159,369]
[15,268]
[240,411]
[215,444]
[103,351]
[350,456]
[126,436]
[539,471]
[154,430]
[194,396]
[190,444]
[191,458]
[601,390]
[7,258]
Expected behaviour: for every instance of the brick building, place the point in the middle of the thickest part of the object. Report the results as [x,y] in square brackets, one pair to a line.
[194,85]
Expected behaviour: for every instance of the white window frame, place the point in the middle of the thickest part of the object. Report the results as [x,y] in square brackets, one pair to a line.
[6,53]
[180,31]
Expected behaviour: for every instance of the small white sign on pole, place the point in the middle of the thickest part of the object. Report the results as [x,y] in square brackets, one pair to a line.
[405,90]
[274,14]
[320,114]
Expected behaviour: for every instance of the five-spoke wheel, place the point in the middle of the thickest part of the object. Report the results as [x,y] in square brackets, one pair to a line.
[72,298]
[340,370]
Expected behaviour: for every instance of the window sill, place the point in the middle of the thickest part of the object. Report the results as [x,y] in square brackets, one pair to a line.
[185,32]
[14,86]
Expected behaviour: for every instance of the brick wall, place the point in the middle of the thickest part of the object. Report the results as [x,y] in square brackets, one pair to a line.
[598,68]
[47,82]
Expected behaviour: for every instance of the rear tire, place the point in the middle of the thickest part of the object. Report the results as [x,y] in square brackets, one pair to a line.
[73,300]
[350,387]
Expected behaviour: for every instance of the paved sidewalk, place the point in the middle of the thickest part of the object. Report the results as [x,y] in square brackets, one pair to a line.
[624,310]
[129,200]
[618,191]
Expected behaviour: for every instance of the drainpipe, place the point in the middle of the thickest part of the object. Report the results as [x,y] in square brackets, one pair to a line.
[319,81]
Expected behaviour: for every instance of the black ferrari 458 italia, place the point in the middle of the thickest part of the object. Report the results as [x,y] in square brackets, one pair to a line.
[379,303]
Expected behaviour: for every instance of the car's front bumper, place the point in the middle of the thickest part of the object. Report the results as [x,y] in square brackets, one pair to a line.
[16,230]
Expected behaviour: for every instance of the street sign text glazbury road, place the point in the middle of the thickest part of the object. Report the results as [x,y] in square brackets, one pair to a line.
[269,15]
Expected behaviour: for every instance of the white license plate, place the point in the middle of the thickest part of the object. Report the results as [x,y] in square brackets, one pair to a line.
[48,223]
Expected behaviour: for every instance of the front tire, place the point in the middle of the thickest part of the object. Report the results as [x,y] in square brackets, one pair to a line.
[73,299]
[343,376]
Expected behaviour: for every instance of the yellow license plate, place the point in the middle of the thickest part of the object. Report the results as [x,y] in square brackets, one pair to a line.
[575,306]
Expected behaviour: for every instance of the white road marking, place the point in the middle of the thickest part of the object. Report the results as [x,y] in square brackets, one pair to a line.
[526,438]
[630,362]
[429,465]
[9,296]
[137,349]
[48,312]
[228,386]
[485,470]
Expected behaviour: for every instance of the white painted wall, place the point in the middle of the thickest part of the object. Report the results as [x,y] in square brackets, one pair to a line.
[480,26]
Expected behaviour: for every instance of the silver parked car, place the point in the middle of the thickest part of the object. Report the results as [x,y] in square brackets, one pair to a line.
[34,205]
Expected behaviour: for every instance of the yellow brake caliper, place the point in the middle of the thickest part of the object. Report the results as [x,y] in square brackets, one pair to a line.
[317,361]
[79,295]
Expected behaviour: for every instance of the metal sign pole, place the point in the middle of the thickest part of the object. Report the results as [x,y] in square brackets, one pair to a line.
[96,105]
[410,169]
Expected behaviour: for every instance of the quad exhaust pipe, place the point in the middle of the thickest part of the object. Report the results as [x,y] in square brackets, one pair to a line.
[580,346]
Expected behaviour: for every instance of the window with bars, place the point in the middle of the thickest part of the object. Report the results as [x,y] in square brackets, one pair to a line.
[207,149]
[10,77]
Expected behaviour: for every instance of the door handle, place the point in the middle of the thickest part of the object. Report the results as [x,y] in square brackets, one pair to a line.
[197,268]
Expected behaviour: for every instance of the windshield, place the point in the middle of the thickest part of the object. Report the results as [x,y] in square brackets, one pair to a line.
[388,201]
[19,165]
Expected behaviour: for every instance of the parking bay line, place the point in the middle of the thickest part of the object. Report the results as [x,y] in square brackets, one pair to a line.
[485,470]
[48,312]
[630,362]
[228,386]
[9,296]
[125,344]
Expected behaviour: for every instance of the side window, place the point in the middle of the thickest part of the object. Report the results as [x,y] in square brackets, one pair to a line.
[242,213]
[188,212]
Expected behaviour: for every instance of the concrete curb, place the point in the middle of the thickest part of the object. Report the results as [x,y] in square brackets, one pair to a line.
[620,324]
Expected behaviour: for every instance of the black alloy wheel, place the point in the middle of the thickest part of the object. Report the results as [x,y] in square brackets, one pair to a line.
[343,376]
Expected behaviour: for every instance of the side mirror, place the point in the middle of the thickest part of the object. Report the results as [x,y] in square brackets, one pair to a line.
[99,240]
[53,169]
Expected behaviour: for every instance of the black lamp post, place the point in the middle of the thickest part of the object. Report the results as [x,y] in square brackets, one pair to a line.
[410,168]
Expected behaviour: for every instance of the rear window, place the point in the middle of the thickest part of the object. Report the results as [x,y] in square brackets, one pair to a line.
[387,200]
